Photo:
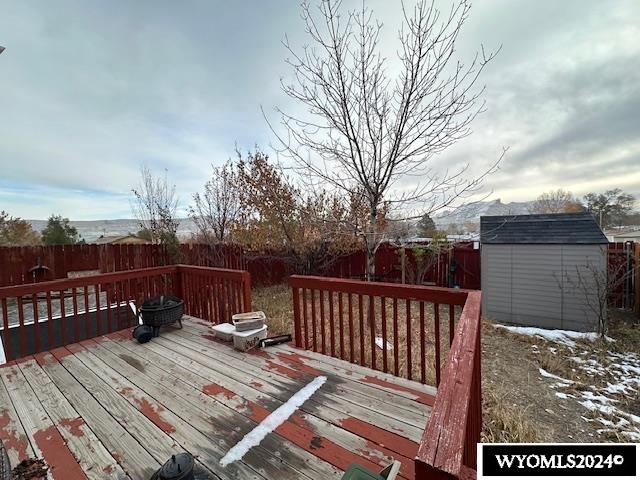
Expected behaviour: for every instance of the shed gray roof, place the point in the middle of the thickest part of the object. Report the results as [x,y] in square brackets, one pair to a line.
[553,228]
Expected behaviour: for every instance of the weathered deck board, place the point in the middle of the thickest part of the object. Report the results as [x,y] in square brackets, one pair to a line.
[289,366]
[120,409]
[249,401]
[94,458]
[205,412]
[12,432]
[131,456]
[344,403]
[43,435]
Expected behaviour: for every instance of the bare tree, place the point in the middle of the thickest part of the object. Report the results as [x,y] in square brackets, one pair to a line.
[556,201]
[368,131]
[154,206]
[598,287]
[217,211]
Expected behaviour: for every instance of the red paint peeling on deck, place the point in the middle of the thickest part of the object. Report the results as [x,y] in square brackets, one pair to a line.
[61,462]
[214,390]
[60,353]
[75,348]
[296,361]
[302,434]
[259,352]
[11,439]
[253,383]
[45,358]
[283,370]
[152,412]
[382,437]
[421,397]
[74,425]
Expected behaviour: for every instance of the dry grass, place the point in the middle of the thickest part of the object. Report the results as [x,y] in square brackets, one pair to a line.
[277,305]
[505,421]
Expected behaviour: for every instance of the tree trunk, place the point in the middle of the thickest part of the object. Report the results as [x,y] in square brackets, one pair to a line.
[372,243]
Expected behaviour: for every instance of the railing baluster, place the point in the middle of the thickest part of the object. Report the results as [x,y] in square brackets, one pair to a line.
[117,295]
[86,312]
[36,321]
[305,318]
[361,325]
[332,336]
[436,315]
[76,327]
[341,321]
[396,349]
[383,320]
[372,327]
[313,320]
[297,324]
[96,291]
[215,316]
[423,340]
[107,290]
[408,320]
[5,331]
[49,318]
[351,334]
[63,319]
[323,331]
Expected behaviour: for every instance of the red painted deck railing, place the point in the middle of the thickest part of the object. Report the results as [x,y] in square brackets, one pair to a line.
[41,316]
[448,446]
[353,320]
[401,329]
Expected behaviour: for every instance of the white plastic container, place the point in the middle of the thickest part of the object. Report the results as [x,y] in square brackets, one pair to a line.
[249,339]
[248,321]
[224,331]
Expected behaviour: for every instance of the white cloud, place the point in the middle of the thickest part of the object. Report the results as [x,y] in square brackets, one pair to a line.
[90,91]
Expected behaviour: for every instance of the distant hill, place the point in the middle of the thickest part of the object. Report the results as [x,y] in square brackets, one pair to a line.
[473,211]
[91,230]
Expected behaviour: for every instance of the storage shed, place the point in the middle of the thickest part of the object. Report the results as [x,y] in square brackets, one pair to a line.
[532,266]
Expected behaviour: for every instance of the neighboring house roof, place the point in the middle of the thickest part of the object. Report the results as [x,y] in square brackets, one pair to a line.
[554,228]
[119,239]
[635,234]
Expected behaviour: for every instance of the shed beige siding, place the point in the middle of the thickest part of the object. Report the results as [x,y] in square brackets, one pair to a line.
[537,285]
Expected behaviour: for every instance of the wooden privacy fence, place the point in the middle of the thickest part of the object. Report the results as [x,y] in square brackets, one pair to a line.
[429,334]
[624,263]
[459,265]
[42,316]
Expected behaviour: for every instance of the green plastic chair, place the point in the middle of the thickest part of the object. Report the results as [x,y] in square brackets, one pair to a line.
[358,472]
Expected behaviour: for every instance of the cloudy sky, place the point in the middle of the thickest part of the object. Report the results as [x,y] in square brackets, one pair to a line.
[90,90]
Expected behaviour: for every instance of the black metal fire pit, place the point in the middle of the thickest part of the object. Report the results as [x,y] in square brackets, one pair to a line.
[160,311]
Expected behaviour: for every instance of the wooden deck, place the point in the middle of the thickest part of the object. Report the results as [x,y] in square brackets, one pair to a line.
[112,408]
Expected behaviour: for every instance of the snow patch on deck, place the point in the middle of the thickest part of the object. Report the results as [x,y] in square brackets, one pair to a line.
[273,421]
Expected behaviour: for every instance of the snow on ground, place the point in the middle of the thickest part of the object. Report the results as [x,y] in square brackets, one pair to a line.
[604,379]
[566,337]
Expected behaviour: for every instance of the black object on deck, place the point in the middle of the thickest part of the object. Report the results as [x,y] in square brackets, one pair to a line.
[160,311]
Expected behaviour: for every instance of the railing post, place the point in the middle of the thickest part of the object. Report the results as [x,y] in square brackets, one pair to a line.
[246,284]
[297,329]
